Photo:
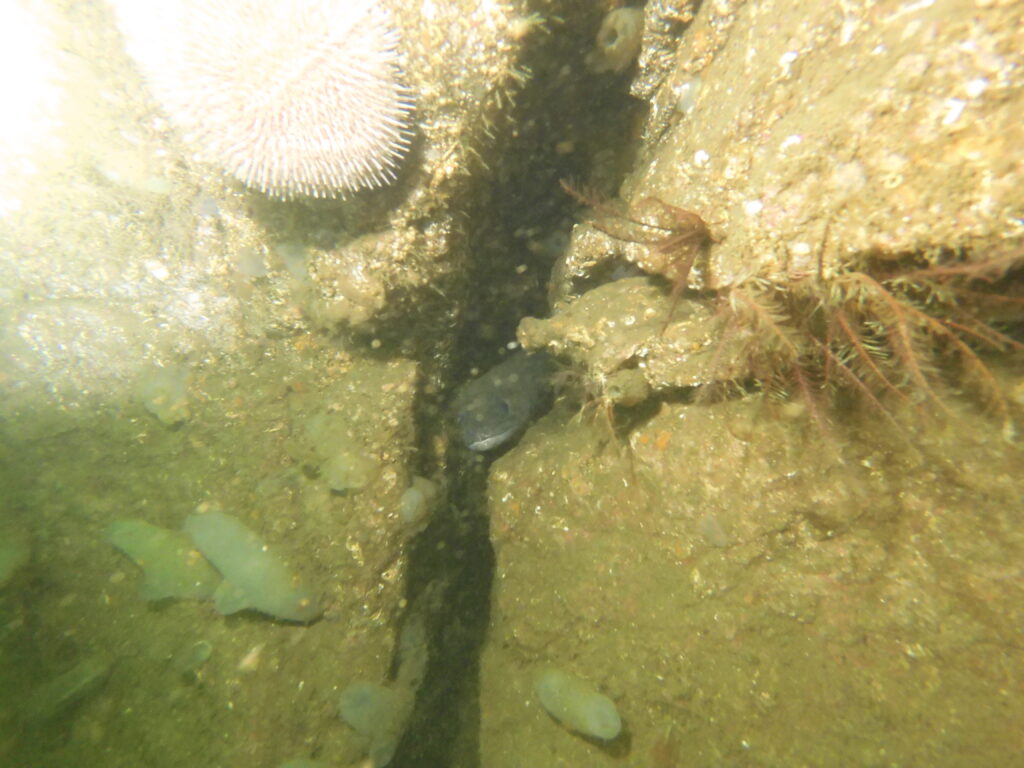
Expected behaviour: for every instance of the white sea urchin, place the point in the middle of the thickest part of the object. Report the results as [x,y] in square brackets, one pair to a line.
[293,98]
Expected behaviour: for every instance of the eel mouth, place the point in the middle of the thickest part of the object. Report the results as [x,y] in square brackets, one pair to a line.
[491,441]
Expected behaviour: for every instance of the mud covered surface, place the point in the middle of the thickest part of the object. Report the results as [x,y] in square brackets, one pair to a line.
[811,561]
[174,343]
[748,591]
[889,122]
[774,512]
[268,691]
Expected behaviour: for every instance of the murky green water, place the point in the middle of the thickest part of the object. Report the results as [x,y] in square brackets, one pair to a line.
[772,517]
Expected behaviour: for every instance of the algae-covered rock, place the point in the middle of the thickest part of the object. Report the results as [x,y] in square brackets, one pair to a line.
[352,438]
[719,544]
[632,323]
[108,275]
[806,139]
[172,565]
[334,442]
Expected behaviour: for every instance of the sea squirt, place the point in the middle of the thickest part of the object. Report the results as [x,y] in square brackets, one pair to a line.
[577,705]
[254,577]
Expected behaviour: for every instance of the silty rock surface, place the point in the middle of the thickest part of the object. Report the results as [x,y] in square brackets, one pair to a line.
[743,585]
[735,582]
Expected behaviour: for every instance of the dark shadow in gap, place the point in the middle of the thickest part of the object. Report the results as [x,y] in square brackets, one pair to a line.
[451,569]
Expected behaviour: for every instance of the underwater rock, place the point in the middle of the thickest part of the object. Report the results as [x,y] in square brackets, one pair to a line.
[493,408]
[577,705]
[171,564]
[627,324]
[627,387]
[345,283]
[254,576]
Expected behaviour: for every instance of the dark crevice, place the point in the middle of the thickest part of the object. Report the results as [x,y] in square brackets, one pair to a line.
[564,118]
